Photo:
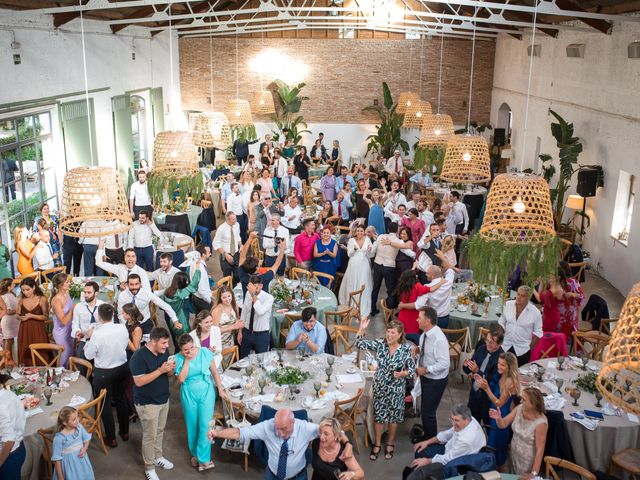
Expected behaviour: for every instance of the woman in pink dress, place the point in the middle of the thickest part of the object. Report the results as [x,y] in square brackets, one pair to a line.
[416,225]
[62,307]
[550,298]
[573,298]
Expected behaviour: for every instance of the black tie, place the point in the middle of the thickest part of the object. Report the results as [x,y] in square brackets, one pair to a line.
[92,313]
[251,316]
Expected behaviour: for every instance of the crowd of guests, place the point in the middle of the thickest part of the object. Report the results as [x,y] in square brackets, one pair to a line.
[393,234]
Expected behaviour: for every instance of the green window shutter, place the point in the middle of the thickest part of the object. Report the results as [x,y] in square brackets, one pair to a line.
[123,134]
[75,131]
[157,107]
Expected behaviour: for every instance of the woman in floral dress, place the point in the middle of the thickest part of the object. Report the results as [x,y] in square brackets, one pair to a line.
[570,306]
[395,364]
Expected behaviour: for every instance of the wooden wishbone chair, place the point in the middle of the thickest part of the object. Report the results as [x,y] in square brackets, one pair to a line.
[93,423]
[38,349]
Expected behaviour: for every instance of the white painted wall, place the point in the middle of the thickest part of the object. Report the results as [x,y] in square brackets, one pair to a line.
[52,65]
[599,95]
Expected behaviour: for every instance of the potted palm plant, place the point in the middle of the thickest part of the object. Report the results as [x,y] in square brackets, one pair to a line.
[288,104]
[388,136]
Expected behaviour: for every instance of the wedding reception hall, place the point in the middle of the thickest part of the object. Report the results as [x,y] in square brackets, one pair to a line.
[324,240]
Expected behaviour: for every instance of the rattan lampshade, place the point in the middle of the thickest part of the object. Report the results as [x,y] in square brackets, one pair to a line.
[94,203]
[518,210]
[415,114]
[239,112]
[263,103]
[437,130]
[210,130]
[174,154]
[466,160]
[405,100]
[619,379]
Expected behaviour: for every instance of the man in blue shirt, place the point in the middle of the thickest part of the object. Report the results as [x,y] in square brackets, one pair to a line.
[341,206]
[226,191]
[286,439]
[344,177]
[422,178]
[307,334]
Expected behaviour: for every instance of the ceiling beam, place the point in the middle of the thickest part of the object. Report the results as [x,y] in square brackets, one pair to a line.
[600,25]
[61,18]
[141,12]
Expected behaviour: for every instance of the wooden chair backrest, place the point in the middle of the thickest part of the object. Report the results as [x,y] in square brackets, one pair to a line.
[334,220]
[596,340]
[227,281]
[75,361]
[90,422]
[297,273]
[339,317]
[230,356]
[346,411]
[35,275]
[550,462]
[342,333]
[43,274]
[388,312]
[330,278]
[457,338]
[482,332]
[37,348]
[580,266]
[355,299]
[47,435]
[605,325]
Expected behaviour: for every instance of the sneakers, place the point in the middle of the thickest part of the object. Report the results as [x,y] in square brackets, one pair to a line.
[151,475]
[163,463]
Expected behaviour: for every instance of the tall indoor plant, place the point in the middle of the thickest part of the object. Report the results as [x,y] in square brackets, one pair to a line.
[288,104]
[388,137]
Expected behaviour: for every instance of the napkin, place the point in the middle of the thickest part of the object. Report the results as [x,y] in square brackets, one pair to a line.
[349,378]
[228,381]
[587,423]
[633,418]
[335,395]
[351,356]
[33,411]
[551,386]
[266,398]
[552,364]
[76,401]
[554,402]
[324,298]
[15,375]
[315,404]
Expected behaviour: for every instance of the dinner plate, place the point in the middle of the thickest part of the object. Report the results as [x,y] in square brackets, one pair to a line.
[351,370]
[236,393]
[242,363]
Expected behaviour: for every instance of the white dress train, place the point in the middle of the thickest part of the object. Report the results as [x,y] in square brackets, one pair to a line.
[358,273]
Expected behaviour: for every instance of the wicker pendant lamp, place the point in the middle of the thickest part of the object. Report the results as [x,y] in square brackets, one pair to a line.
[437,129]
[263,103]
[94,203]
[175,155]
[619,379]
[466,160]
[238,112]
[210,130]
[405,100]
[415,114]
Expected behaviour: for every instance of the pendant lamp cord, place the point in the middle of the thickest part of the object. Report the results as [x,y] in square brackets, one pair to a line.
[237,73]
[86,85]
[526,108]
[171,60]
[421,61]
[473,57]
[410,61]
[262,45]
[211,67]
[440,74]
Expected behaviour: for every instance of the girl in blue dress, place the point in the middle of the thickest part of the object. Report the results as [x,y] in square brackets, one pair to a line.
[70,445]
[194,367]
[376,212]
[325,255]
[501,392]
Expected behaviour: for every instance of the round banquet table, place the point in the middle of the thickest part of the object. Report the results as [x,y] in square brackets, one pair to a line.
[191,217]
[324,300]
[462,319]
[318,170]
[591,449]
[314,364]
[445,191]
[33,443]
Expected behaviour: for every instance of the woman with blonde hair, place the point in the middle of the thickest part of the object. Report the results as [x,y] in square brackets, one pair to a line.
[62,306]
[502,390]
[226,316]
[9,324]
[332,456]
[395,364]
[25,248]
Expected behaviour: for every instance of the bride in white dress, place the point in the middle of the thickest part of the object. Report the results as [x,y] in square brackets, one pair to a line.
[358,271]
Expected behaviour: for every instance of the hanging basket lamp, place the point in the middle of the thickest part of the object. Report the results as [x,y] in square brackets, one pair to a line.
[619,379]
[405,100]
[174,154]
[415,114]
[94,203]
[263,103]
[239,112]
[517,231]
[437,130]
[466,160]
[210,130]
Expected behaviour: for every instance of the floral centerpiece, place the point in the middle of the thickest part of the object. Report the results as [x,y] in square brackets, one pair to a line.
[475,294]
[289,376]
[281,292]
[586,382]
[76,290]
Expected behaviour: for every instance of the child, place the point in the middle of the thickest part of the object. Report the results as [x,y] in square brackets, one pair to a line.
[70,446]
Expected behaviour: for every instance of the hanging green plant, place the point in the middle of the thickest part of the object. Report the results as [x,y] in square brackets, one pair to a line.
[161,182]
[493,261]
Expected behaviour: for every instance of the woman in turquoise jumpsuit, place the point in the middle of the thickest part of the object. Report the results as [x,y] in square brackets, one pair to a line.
[194,368]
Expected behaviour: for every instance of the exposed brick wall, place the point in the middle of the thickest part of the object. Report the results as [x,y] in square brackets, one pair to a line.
[344,75]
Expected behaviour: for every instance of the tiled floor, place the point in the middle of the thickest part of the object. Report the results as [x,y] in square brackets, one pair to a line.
[125,461]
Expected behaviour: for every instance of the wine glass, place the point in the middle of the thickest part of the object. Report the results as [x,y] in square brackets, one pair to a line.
[262,382]
[559,383]
[628,384]
[249,370]
[300,354]
[317,386]
[575,394]
[561,360]
[331,360]
[280,353]
[598,396]
[584,360]
[328,371]
[47,392]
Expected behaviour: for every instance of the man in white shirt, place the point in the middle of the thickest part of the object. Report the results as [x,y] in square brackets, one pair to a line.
[292,215]
[141,298]
[107,347]
[458,218]
[225,191]
[432,367]
[122,271]
[114,247]
[163,276]
[234,204]
[272,242]
[384,267]
[394,164]
[85,316]
[395,196]
[439,299]
[139,197]
[141,239]
[424,213]
[280,166]
[415,198]
[256,315]
[395,215]
[44,254]
[465,437]
[227,242]
[522,324]
[202,298]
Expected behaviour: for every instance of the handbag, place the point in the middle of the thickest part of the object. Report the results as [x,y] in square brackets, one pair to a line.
[236,445]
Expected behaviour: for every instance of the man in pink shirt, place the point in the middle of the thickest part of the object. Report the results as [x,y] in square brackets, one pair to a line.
[303,244]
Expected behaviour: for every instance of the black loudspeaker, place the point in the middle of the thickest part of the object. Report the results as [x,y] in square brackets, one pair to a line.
[499,137]
[587,181]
